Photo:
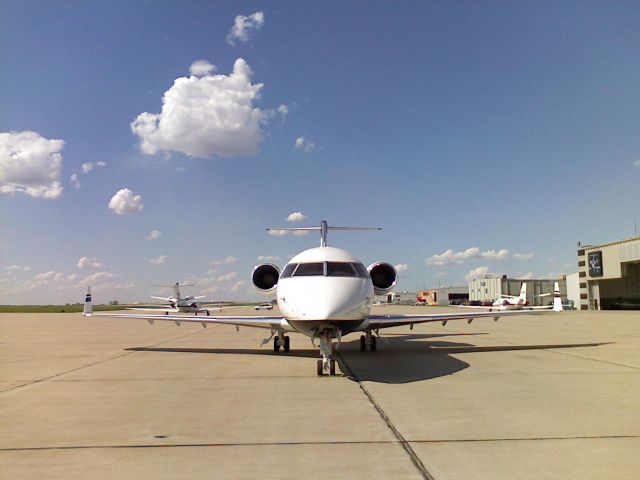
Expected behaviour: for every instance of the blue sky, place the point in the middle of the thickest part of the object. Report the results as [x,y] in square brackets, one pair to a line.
[483,137]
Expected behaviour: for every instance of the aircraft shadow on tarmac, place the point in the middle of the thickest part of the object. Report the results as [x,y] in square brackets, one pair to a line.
[399,358]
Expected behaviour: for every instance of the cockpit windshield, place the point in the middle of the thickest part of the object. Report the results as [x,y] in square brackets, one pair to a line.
[340,269]
[309,270]
[328,269]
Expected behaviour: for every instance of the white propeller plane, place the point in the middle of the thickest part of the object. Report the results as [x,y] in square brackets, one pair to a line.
[324,293]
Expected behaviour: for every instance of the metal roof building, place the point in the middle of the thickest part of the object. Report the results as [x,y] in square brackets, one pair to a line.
[609,275]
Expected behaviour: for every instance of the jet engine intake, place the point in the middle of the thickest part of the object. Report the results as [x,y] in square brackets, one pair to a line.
[384,276]
[265,277]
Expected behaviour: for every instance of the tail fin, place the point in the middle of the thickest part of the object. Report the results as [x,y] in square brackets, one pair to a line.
[523,293]
[557,300]
[88,308]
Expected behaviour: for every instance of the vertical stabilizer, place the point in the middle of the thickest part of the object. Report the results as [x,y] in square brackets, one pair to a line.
[557,299]
[88,307]
[523,294]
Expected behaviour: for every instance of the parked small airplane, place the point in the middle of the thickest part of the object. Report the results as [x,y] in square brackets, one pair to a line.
[178,304]
[510,302]
[324,293]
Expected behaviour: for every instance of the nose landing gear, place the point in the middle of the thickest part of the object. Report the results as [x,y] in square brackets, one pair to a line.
[326,365]
[368,340]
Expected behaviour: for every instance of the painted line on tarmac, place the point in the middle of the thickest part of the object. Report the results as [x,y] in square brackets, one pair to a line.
[422,470]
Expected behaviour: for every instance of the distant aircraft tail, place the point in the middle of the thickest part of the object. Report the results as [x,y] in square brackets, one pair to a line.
[557,300]
[88,307]
[523,293]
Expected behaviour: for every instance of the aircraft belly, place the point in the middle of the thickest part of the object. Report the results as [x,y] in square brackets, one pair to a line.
[345,326]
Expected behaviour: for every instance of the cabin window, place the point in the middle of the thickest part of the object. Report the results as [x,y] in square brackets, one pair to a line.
[309,270]
[288,270]
[340,269]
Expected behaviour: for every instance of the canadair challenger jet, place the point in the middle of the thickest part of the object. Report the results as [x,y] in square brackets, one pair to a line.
[324,293]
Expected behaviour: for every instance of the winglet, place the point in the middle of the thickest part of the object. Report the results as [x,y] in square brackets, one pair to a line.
[88,308]
[557,300]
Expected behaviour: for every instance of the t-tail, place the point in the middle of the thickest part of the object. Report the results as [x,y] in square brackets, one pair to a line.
[323,229]
[557,299]
[88,308]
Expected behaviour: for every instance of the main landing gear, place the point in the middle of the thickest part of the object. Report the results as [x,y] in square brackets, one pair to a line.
[368,341]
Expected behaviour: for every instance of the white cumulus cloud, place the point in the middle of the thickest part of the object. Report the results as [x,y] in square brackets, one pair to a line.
[125,201]
[227,261]
[304,145]
[228,277]
[200,68]
[17,268]
[296,217]
[278,233]
[154,235]
[158,261]
[86,262]
[31,164]
[74,179]
[283,110]
[268,258]
[205,115]
[401,267]
[449,257]
[479,272]
[243,26]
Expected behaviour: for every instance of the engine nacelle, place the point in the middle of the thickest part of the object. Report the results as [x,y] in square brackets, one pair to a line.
[383,276]
[265,277]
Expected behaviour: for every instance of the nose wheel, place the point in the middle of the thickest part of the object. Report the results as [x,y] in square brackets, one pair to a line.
[326,365]
[281,341]
[368,341]
[321,367]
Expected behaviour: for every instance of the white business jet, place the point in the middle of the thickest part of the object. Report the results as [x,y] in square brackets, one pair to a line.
[324,293]
[188,304]
[510,302]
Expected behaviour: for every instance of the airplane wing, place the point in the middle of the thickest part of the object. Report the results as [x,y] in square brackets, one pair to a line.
[273,322]
[543,307]
[386,321]
[166,299]
[154,309]
[481,307]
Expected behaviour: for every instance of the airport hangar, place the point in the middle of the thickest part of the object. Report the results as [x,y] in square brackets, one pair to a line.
[608,275]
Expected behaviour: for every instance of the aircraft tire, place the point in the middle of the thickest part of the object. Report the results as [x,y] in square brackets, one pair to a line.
[319,368]
[276,347]
[287,344]
[373,344]
[363,345]
[332,367]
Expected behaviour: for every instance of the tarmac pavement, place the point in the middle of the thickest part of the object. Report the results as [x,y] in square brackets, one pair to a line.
[545,396]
